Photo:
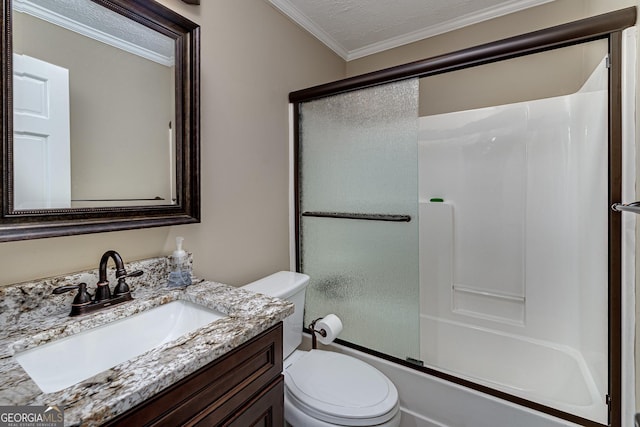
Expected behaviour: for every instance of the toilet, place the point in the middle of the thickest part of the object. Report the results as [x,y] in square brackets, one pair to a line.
[325,388]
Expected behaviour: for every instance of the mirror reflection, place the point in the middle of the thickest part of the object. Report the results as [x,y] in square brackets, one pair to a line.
[94,108]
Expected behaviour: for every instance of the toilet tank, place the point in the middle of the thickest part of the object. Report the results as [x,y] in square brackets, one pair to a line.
[290,286]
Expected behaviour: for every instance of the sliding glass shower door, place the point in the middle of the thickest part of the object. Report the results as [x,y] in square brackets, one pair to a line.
[358,214]
[460,222]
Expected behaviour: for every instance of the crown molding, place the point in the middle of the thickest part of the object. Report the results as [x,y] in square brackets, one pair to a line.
[445,27]
[505,8]
[25,6]
[299,18]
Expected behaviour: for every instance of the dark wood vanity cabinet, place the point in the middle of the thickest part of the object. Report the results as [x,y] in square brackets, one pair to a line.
[242,388]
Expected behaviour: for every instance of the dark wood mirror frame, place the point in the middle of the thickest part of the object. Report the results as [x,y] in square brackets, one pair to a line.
[34,224]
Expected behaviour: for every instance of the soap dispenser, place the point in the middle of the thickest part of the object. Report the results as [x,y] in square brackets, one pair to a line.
[179,267]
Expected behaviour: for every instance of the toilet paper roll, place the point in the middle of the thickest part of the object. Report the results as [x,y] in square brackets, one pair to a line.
[332,325]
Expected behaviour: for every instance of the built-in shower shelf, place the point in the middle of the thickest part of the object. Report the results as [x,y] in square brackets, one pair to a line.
[492,294]
[490,305]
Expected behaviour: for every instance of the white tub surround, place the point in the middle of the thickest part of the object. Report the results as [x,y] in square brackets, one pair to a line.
[32,316]
[513,247]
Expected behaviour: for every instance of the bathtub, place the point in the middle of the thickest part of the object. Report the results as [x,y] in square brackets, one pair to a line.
[544,372]
[428,401]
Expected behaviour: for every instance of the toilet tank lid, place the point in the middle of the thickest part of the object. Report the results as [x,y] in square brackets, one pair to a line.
[282,284]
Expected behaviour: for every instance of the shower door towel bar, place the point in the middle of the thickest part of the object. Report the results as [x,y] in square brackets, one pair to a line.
[369,217]
[629,207]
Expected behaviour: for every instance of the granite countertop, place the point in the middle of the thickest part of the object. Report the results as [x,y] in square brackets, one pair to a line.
[32,316]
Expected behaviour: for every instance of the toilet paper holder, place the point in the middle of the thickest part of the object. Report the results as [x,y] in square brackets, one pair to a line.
[325,329]
[314,331]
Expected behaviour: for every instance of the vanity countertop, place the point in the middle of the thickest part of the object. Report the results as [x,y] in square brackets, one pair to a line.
[31,316]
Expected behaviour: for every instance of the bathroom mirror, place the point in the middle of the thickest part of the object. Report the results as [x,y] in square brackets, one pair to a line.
[100,117]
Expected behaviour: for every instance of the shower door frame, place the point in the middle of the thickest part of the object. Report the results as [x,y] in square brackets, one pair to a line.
[607,26]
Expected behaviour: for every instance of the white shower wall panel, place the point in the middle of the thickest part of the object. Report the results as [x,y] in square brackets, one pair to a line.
[592,241]
[525,187]
[477,165]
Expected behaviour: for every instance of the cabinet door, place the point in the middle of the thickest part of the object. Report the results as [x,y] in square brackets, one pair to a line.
[264,410]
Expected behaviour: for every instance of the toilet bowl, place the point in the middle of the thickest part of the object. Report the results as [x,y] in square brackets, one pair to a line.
[325,388]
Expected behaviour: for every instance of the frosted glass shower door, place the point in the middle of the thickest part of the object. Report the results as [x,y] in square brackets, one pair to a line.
[358,236]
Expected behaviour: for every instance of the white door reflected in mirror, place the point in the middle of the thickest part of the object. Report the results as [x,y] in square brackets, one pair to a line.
[41,146]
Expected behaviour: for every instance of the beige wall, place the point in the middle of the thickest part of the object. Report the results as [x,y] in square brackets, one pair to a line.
[543,75]
[252,57]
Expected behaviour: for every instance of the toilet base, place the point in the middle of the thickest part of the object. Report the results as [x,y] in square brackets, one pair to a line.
[296,418]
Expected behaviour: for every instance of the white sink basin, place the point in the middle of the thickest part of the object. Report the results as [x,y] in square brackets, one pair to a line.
[59,364]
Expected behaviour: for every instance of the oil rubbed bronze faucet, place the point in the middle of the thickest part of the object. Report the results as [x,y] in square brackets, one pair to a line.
[103,298]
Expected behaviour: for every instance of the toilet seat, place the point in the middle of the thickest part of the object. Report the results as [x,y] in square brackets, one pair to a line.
[340,389]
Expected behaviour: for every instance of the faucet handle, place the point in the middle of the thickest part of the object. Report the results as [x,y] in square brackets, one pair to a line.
[122,287]
[82,297]
[132,274]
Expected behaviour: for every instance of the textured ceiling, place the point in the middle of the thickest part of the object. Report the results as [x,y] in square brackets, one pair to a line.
[95,21]
[356,28]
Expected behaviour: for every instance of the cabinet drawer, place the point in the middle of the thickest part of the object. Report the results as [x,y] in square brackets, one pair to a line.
[222,386]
